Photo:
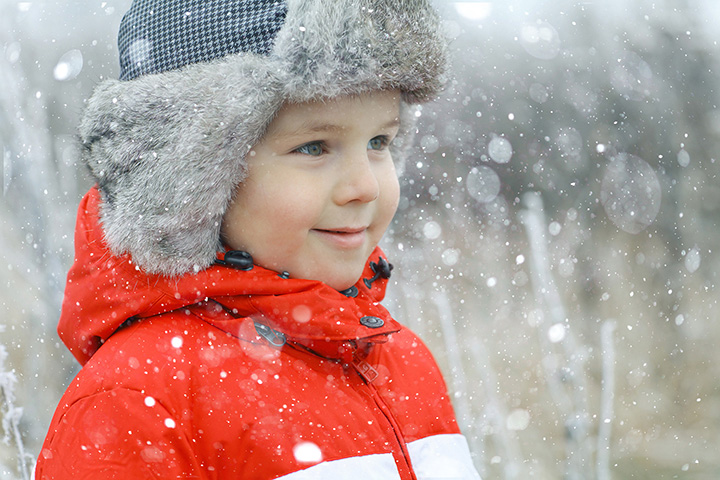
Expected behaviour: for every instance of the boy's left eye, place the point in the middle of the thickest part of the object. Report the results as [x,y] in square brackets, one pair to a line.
[313,149]
[378,143]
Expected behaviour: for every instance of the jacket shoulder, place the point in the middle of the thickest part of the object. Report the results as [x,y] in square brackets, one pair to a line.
[167,354]
[143,399]
[119,430]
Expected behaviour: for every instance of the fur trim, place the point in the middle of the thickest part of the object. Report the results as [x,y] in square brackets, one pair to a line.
[168,150]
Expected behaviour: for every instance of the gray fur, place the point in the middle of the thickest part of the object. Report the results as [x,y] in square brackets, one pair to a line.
[168,150]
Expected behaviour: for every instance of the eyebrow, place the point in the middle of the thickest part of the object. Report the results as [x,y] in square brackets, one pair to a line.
[311,128]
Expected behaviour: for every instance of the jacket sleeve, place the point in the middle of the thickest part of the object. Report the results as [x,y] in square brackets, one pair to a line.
[117,434]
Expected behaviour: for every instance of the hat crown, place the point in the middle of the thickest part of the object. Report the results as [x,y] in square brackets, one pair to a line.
[160,35]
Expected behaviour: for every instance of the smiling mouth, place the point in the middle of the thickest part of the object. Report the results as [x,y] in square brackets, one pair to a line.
[345,231]
[343,238]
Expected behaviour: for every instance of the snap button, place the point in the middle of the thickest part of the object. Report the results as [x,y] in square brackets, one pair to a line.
[381,269]
[372,322]
[238,259]
[351,292]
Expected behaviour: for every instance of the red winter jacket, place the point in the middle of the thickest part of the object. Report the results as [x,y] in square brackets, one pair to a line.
[230,374]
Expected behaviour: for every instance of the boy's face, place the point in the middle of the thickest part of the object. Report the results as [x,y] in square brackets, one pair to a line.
[321,188]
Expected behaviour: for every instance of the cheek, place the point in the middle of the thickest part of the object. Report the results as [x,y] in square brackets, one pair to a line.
[390,193]
[284,208]
[291,202]
[241,227]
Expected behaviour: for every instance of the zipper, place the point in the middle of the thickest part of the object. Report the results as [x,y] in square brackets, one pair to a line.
[365,370]
[351,355]
[369,374]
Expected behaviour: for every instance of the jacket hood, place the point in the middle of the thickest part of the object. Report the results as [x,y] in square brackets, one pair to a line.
[104,291]
[168,149]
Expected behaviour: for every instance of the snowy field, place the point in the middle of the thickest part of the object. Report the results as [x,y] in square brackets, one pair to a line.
[557,243]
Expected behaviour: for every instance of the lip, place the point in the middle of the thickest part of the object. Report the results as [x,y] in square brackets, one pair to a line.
[346,238]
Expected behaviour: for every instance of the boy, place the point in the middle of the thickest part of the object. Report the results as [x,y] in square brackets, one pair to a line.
[224,299]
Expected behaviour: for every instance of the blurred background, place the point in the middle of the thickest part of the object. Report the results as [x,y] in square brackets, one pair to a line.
[556,243]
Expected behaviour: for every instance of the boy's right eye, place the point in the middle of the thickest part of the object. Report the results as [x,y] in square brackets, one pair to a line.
[313,149]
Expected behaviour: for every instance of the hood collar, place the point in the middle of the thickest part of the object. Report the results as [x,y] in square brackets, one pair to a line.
[103,291]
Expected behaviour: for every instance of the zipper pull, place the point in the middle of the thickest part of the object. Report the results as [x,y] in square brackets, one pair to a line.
[365,370]
[273,337]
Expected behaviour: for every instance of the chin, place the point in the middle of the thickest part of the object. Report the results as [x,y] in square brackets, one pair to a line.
[342,282]
[341,285]
[340,276]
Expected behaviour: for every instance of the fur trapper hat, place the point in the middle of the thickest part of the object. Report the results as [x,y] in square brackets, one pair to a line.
[200,82]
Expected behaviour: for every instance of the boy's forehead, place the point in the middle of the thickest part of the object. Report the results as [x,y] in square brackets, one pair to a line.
[330,115]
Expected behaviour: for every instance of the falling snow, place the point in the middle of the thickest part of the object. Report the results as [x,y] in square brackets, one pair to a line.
[555,244]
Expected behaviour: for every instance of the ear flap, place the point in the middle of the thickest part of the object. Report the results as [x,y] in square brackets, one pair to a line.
[167,160]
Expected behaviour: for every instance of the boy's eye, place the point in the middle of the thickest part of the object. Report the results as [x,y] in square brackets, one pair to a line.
[314,149]
[378,143]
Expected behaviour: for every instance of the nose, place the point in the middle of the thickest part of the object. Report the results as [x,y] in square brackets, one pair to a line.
[357,180]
